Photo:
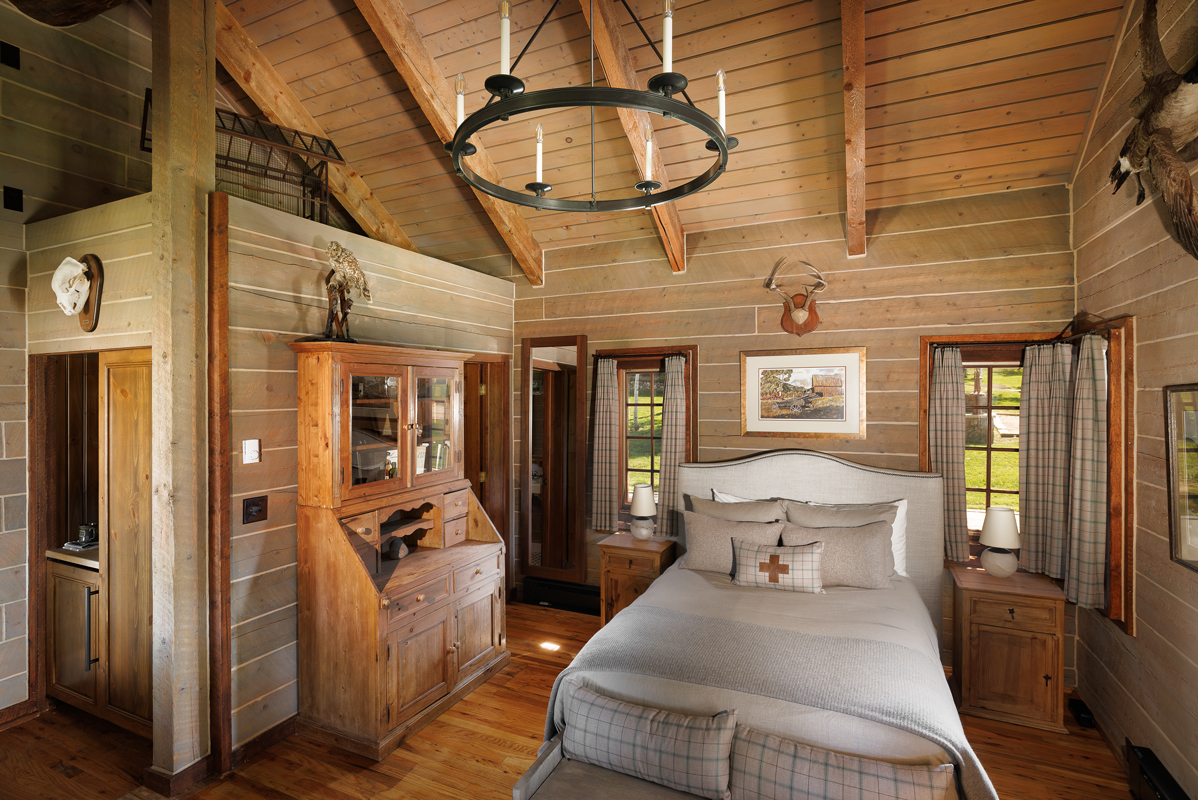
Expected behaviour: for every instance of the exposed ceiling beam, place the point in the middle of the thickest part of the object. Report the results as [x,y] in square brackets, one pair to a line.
[618,67]
[852,33]
[397,32]
[262,82]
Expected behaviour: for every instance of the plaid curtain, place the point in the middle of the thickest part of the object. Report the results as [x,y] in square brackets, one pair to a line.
[1044,422]
[605,487]
[946,445]
[673,445]
[1085,572]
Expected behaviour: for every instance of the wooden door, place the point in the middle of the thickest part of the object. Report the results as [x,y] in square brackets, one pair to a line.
[125,494]
[421,653]
[487,441]
[477,627]
[72,635]
[373,435]
[1013,672]
[436,425]
[619,590]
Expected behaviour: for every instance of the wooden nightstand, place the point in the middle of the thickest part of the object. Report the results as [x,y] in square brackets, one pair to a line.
[1008,658]
[628,566]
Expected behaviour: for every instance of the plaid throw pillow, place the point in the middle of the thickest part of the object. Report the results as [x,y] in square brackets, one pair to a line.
[685,753]
[766,767]
[791,569]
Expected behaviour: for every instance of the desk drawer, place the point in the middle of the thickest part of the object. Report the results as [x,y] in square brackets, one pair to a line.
[411,602]
[454,531]
[477,572]
[1014,612]
[457,504]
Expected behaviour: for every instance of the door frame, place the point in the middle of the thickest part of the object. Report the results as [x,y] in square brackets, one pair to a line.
[499,464]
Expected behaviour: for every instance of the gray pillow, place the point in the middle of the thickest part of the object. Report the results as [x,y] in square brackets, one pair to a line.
[756,511]
[812,516]
[859,557]
[709,540]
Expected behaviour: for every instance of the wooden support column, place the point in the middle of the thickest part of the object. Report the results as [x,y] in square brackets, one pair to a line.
[184,174]
[262,82]
[397,32]
[618,67]
[852,33]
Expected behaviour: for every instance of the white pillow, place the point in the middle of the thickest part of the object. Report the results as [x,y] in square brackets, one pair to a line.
[720,497]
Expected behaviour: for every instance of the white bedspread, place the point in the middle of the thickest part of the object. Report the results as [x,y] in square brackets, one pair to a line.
[896,615]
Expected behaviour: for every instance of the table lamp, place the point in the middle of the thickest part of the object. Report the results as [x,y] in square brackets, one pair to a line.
[643,509]
[1000,535]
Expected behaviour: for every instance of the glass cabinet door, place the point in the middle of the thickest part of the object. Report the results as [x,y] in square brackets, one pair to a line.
[374,429]
[435,436]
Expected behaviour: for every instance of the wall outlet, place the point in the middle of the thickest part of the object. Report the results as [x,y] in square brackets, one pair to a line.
[253,509]
[251,451]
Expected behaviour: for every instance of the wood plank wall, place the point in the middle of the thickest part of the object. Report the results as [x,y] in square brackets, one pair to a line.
[989,263]
[70,116]
[277,266]
[1127,263]
[14,667]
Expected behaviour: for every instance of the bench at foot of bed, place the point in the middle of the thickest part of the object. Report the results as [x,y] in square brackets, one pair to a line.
[552,777]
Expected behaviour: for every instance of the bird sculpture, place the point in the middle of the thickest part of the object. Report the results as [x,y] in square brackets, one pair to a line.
[344,275]
[1165,135]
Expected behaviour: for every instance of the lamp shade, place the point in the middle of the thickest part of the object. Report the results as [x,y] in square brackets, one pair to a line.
[1000,529]
[642,501]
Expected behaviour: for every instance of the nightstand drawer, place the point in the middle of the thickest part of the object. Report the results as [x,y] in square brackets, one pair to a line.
[1014,612]
[623,561]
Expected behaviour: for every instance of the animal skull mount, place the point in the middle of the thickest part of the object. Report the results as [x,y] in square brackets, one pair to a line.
[799,314]
[78,287]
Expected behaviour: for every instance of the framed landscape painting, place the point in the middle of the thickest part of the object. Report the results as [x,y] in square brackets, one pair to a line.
[812,393]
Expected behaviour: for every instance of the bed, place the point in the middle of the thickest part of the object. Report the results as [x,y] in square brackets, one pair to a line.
[697,644]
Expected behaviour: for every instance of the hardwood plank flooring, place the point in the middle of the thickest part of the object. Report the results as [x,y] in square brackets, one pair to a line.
[475,750]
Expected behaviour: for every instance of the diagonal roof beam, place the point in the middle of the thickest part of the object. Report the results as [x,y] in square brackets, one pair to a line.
[397,32]
[262,82]
[618,67]
[852,37]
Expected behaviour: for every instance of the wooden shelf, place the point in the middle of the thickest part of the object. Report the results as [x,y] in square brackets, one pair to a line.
[89,559]
[411,526]
[358,448]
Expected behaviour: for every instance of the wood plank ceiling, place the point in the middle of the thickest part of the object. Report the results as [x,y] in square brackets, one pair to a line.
[961,97]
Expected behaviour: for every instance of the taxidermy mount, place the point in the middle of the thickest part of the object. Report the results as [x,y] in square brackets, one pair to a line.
[799,316]
[78,287]
[1165,136]
[345,275]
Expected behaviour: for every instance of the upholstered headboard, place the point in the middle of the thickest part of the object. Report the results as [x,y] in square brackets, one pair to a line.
[819,477]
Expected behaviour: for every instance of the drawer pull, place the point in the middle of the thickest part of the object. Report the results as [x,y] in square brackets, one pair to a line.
[1011,611]
[384,602]
[419,598]
[478,571]
[363,531]
[1047,678]
[630,563]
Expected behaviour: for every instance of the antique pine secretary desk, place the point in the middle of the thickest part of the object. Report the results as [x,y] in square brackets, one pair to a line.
[387,643]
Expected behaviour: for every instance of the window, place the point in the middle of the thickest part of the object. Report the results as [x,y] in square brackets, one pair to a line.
[643,393]
[991,438]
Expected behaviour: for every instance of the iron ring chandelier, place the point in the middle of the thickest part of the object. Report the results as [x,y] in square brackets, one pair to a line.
[508,99]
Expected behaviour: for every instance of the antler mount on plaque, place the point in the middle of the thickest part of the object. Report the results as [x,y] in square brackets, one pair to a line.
[799,314]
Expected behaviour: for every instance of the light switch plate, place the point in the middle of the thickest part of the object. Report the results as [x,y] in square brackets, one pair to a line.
[251,451]
[253,509]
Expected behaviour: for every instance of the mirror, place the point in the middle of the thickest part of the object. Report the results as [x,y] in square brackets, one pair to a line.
[553,457]
[1181,447]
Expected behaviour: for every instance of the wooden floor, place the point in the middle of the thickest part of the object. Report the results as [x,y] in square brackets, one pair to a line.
[476,750]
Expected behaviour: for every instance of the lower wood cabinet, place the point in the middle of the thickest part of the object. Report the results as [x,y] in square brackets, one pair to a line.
[420,664]
[628,566]
[72,635]
[1008,659]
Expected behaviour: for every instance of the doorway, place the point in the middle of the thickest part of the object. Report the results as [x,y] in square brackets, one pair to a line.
[487,448]
[89,502]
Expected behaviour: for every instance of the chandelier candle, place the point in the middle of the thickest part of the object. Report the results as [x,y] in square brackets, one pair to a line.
[649,156]
[719,82]
[505,30]
[667,36]
[540,140]
[460,85]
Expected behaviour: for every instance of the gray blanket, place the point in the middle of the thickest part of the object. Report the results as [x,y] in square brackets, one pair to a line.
[878,681]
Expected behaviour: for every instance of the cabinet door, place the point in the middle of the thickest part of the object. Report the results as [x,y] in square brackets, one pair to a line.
[478,620]
[421,657]
[620,589]
[436,425]
[72,635]
[372,432]
[1013,672]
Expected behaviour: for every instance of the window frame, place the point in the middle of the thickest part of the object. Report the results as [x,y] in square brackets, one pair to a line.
[651,359]
[1121,436]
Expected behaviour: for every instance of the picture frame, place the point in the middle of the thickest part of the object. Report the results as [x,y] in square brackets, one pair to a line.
[1181,459]
[816,393]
